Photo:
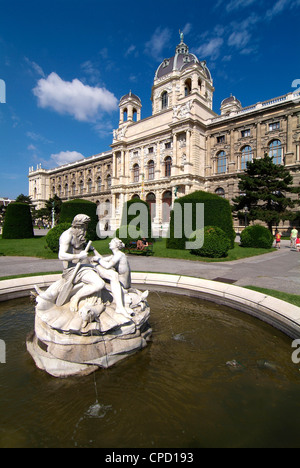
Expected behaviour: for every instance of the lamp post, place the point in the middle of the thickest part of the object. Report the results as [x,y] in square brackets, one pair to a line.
[246,210]
[53,215]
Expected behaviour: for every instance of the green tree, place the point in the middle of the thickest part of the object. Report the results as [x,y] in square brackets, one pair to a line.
[55,202]
[23,199]
[265,189]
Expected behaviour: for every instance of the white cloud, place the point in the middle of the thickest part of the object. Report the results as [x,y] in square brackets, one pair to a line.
[35,67]
[83,102]
[239,39]
[65,157]
[131,51]
[159,40]
[211,48]
[279,6]
[237,4]
[187,28]
[91,70]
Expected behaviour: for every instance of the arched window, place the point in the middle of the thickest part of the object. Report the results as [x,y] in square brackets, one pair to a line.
[275,151]
[66,190]
[164,100]
[151,200]
[246,156]
[125,112]
[221,192]
[90,186]
[187,87]
[99,184]
[151,170]
[168,166]
[73,188]
[108,182]
[136,173]
[81,186]
[221,162]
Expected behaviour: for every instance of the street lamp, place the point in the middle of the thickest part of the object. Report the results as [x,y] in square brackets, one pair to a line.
[246,211]
[53,215]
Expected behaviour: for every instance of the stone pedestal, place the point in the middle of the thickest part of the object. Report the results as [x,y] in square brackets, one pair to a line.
[66,343]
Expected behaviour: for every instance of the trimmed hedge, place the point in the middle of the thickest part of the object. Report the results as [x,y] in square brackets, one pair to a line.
[18,222]
[256,236]
[217,212]
[72,208]
[216,243]
[52,237]
[142,225]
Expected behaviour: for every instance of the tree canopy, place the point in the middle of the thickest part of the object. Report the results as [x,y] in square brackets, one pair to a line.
[265,188]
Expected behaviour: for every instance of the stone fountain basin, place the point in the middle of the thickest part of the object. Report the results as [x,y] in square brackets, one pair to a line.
[279,314]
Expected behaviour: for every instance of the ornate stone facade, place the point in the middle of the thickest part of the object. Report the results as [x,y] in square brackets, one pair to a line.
[182,147]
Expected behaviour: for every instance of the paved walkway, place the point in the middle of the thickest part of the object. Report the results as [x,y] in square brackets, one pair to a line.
[277,270]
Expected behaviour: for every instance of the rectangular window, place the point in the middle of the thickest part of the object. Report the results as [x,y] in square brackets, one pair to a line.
[245,133]
[222,163]
[274,126]
[221,139]
[168,145]
[150,150]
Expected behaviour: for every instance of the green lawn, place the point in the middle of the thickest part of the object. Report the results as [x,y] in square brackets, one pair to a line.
[37,247]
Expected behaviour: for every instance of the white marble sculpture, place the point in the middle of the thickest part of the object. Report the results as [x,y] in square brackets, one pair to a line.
[91,317]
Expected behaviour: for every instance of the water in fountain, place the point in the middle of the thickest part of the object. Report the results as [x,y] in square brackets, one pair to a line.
[212,377]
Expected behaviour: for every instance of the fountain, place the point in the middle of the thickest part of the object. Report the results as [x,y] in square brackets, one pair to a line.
[91,317]
[209,374]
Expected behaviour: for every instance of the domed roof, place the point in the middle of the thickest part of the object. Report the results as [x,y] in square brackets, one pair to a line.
[182,59]
[231,100]
[130,96]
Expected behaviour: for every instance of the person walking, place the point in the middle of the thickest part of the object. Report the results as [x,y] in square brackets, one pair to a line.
[277,239]
[294,235]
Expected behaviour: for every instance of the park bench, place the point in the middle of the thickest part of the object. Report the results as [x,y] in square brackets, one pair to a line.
[131,248]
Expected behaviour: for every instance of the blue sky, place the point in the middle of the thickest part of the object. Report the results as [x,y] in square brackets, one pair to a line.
[66,64]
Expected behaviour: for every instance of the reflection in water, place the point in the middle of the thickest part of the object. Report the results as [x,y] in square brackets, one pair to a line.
[212,377]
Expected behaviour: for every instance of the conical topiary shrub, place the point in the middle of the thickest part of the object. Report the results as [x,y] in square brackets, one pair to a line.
[72,208]
[18,222]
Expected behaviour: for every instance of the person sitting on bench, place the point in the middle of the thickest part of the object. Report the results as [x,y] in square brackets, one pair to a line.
[142,244]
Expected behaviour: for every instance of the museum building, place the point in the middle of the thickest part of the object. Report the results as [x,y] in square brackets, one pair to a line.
[182,147]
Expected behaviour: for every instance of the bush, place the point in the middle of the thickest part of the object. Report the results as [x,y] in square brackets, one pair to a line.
[256,236]
[216,243]
[217,212]
[142,225]
[72,208]
[52,238]
[18,222]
